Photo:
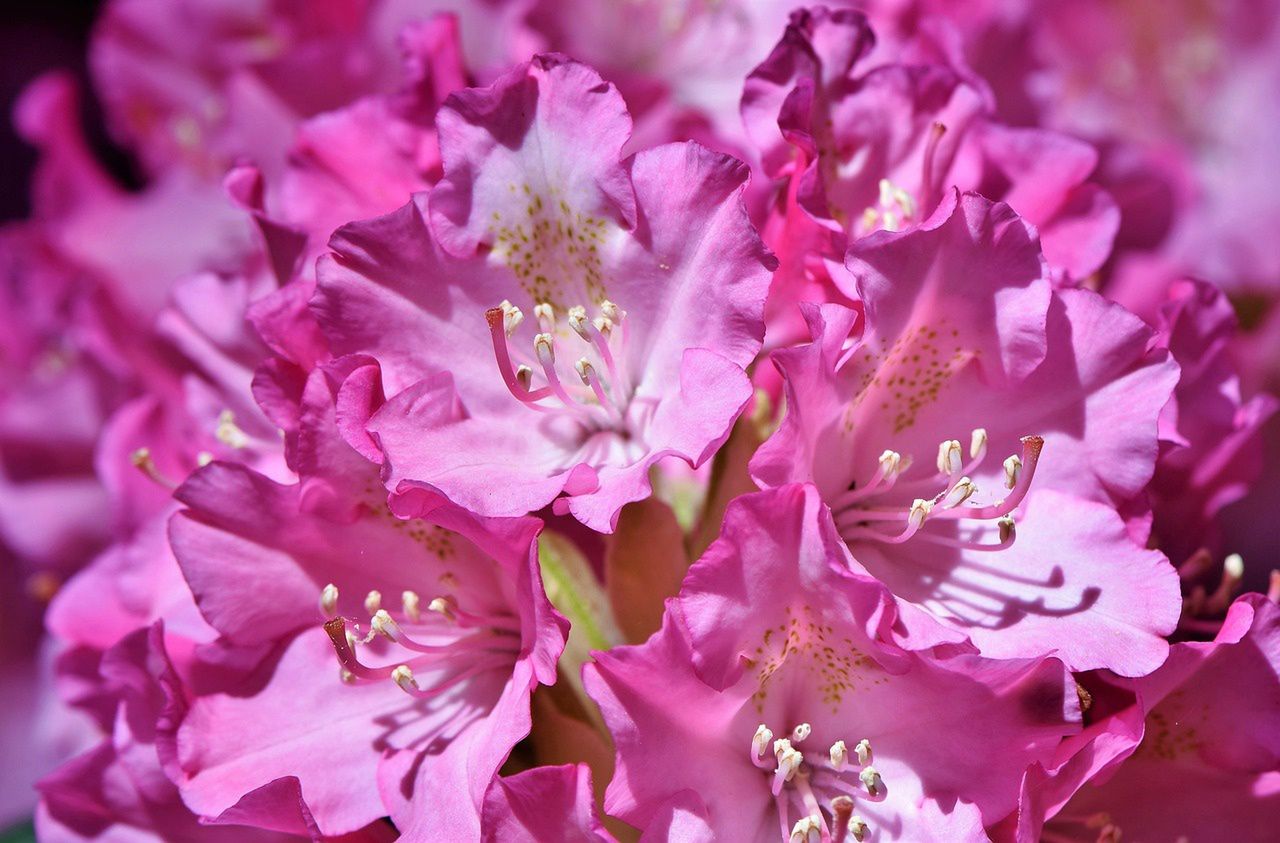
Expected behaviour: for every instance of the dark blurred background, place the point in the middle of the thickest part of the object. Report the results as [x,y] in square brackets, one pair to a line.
[37,36]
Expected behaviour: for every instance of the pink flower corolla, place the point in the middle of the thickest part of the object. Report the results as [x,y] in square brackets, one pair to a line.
[878,140]
[544,805]
[974,433]
[429,689]
[120,789]
[1212,717]
[195,85]
[1213,443]
[594,314]
[771,707]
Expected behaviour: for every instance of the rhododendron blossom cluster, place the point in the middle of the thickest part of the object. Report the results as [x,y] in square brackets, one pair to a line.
[539,420]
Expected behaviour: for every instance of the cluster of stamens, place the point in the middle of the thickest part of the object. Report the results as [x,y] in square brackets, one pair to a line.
[803,777]
[452,644]
[593,392]
[895,208]
[859,519]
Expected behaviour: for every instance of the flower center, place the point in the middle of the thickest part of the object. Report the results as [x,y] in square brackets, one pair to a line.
[896,208]
[863,514]
[442,641]
[598,392]
[819,788]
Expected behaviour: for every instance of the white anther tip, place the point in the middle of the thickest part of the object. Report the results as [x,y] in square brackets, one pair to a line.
[839,755]
[329,600]
[412,605]
[858,828]
[442,606]
[403,677]
[978,443]
[871,779]
[373,601]
[863,749]
[801,732]
[1012,469]
[1233,566]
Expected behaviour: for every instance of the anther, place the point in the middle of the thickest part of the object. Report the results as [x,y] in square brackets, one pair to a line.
[443,606]
[383,624]
[806,830]
[978,443]
[546,316]
[958,493]
[329,600]
[411,604]
[524,376]
[373,601]
[839,756]
[890,463]
[512,316]
[228,432]
[760,742]
[143,461]
[858,828]
[544,347]
[920,510]
[801,732]
[204,458]
[578,321]
[863,750]
[1008,531]
[346,676]
[603,324]
[612,312]
[403,677]
[584,369]
[871,779]
[1012,470]
[949,461]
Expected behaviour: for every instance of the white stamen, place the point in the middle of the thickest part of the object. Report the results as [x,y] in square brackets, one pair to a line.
[512,316]
[544,347]
[578,321]
[403,677]
[839,755]
[346,676]
[612,312]
[760,742]
[806,830]
[228,432]
[603,325]
[871,779]
[978,443]
[1233,566]
[373,601]
[1007,529]
[546,316]
[949,461]
[524,376]
[863,750]
[329,600]
[920,509]
[204,458]
[858,828]
[1012,468]
[800,732]
[958,494]
[443,606]
[383,624]
[411,603]
[584,369]
[789,760]
[890,463]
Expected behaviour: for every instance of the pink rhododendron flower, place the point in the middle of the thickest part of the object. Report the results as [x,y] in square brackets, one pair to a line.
[957,320]
[797,717]
[879,139]
[439,679]
[621,362]
[1210,716]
